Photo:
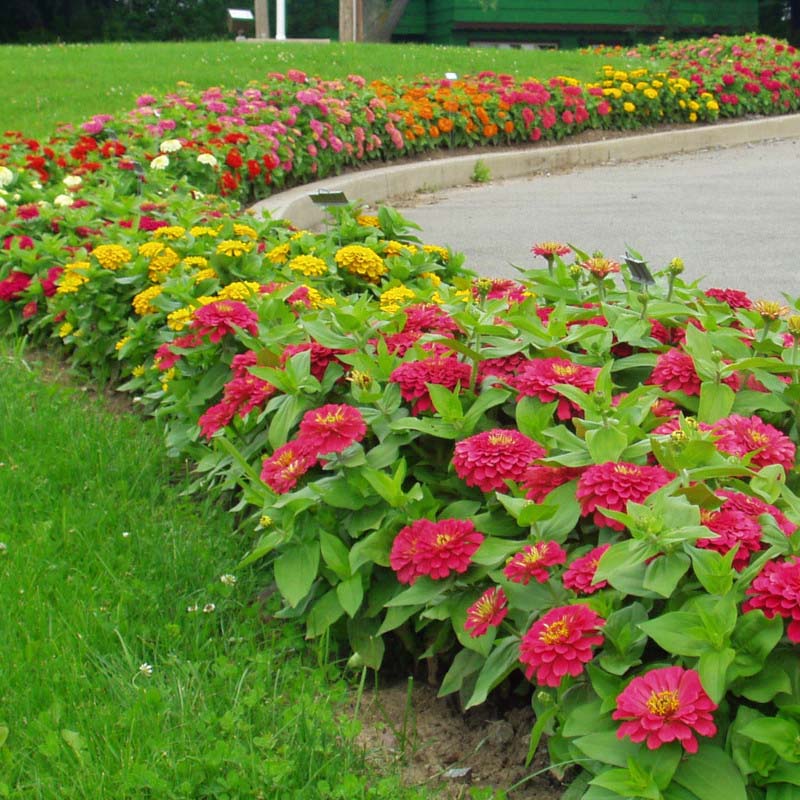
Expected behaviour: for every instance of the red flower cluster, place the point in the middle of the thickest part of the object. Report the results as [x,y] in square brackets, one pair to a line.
[675,372]
[487,460]
[733,297]
[540,479]
[612,485]
[776,590]
[332,428]
[532,562]
[579,576]
[733,528]
[434,549]
[14,285]
[740,436]
[488,611]
[223,317]
[560,643]
[413,376]
[537,378]
[755,507]
[286,466]
[665,705]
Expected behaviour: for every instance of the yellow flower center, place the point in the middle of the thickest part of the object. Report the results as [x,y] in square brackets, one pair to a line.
[663,704]
[500,438]
[621,469]
[556,632]
[565,370]
[758,438]
[329,419]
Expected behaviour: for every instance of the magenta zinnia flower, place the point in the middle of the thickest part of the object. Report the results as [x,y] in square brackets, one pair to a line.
[560,643]
[664,705]
[488,611]
[332,428]
[403,557]
[580,574]
[755,507]
[733,297]
[286,466]
[540,479]
[532,562]
[537,378]
[413,376]
[776,590]
[14,285]
[741,436]
[223,317]
[612,485]
[488,459]
[447,547]
[674,372]
[732,528]
[549,250]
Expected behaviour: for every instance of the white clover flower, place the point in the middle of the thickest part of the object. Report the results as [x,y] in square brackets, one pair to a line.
[160,162]
[207,159]
[208,608]
[63,201]
[170,146]
[36,185]
[227,579]
[6,176]
[191,609]
[3,547]
[146,669]
[125,534]
[72,181]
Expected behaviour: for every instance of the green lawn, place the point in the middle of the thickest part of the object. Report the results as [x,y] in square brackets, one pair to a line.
[130,669]
[47,84]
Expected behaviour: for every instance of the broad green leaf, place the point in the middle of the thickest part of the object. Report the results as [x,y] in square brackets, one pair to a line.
[699,347]
[711,775]
[335,554]
[494,551]
[714,571]
[786,774]
[373,549]
[285,419]
[75,743]
[712,667]
[623,782]
[296,571]
[568,512]
[781,791]
[606,444]
[607,748]
[765,684]
[466,663]
[664,573]
[486,400]
[533,416]
[351,594]
[716,401]
[583,719]
[446,403]
[396,616]
[503,659]
[263,547]
[365,641]
[422,591]
[678,632]
[542,720]
[620,556]
[384,485]
[323,614]
[327,337]
[780,734]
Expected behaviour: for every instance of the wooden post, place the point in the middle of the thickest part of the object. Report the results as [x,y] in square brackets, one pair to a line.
[346,21]
[262,19]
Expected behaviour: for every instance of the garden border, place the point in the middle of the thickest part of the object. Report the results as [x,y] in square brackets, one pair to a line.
[378,185]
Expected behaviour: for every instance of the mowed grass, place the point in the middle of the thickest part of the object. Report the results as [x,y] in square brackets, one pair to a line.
[129,669]
[44,85]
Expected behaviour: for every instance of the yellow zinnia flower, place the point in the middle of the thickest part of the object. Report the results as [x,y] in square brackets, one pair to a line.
[178,320]
[169,232]
[151,249]
[392,300]
[240,229]
[359,260]
[279,254]
[142,302]
[112,256]
[233,248]
[629,107]
[310,266]
[239,290]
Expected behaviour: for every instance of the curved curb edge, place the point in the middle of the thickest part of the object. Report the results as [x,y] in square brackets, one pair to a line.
[377,185]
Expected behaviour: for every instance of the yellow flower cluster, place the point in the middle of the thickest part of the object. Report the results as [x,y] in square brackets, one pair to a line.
[393,248]
[392,300]
[360,260]
[203,230]
[317,299]
[310,266]
[205,275]
[178,320]
[65,329]
[442,253]
[368,221]
[111,256]
[233,248]
[432,277]
[279,254]
[244,230]
[169,232]
[142,303]
[195,262]
[73,277]
[162,264]
[122,342]
[239,290]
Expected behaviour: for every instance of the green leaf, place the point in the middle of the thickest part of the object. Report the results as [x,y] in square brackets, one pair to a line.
[713,668]
[466,663]
[533,416]
[385,485]
[365,641]
[525,512]
[678,632]
[75,743]
[714,571]
[606,444]
[780,734]
[489,398]
[623,782]
[335,554]
[716,401]
[699,347]
[350,594]
[710,774]
[284,420]
[768,682]
[373,549]
[503,659]
[323,614]
[446,403]
[754,638]
[494,551]
[607,748]
[621,556]
[396,616]
[422,591]
[568,512]
[3,734]
[327,337]
[664,573]
[296,571]
[542,720]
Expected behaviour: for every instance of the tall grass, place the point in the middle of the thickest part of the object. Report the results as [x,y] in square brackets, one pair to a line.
[44,85]
[129,668]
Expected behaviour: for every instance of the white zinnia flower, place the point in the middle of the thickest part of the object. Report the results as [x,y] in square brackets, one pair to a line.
[170,146]
[6,176]
[159,162]
[63,200]
[72,181]
[207,159]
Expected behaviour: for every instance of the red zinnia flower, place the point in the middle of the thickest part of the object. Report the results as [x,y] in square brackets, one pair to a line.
[403,557]
[321,356]
[538,377]
[332,428]
[755,507]
[413,376]
[733,297]
[612,485]
[732,527]
[488,459]
[532,561]
[222,317]
[664,705]
[503,369]
[428,318]
[580,574]
[541,479]
[215,418]
[488,611]
[447,547]
[740,436]
[560,643]
[550,249]
[674,372]
[14,285]
[776,590]
[286,466]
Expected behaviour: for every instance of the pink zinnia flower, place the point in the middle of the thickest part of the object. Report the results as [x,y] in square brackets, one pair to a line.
[580,574]
[549,250]
[222,317]
[321,356]
[540,479]
[740,436]
[776,591]
[488,611]
[675,372]
[502,369]
[560,643]
[664,705]
[537,378]
[447,547]
[613,484]
[755,507]
[216,417]
[428,318]
[332,428]
[532,562]
[14,285]
[405,548]
[413,376]
[286,466]
[732,528]
[488,459]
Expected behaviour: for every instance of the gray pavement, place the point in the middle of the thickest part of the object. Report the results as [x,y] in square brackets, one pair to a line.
[732,214]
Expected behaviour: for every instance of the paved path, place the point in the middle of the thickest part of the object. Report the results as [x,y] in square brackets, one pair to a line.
[732,214]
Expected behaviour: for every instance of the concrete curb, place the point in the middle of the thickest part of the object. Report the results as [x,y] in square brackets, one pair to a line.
[377,185]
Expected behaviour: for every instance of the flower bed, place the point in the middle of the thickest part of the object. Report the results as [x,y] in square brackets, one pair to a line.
[572,481]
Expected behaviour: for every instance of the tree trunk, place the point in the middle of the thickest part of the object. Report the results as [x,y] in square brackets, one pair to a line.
[347,24]
[388,21]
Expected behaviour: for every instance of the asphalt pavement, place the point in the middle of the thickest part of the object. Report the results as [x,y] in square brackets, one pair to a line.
[732,214]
